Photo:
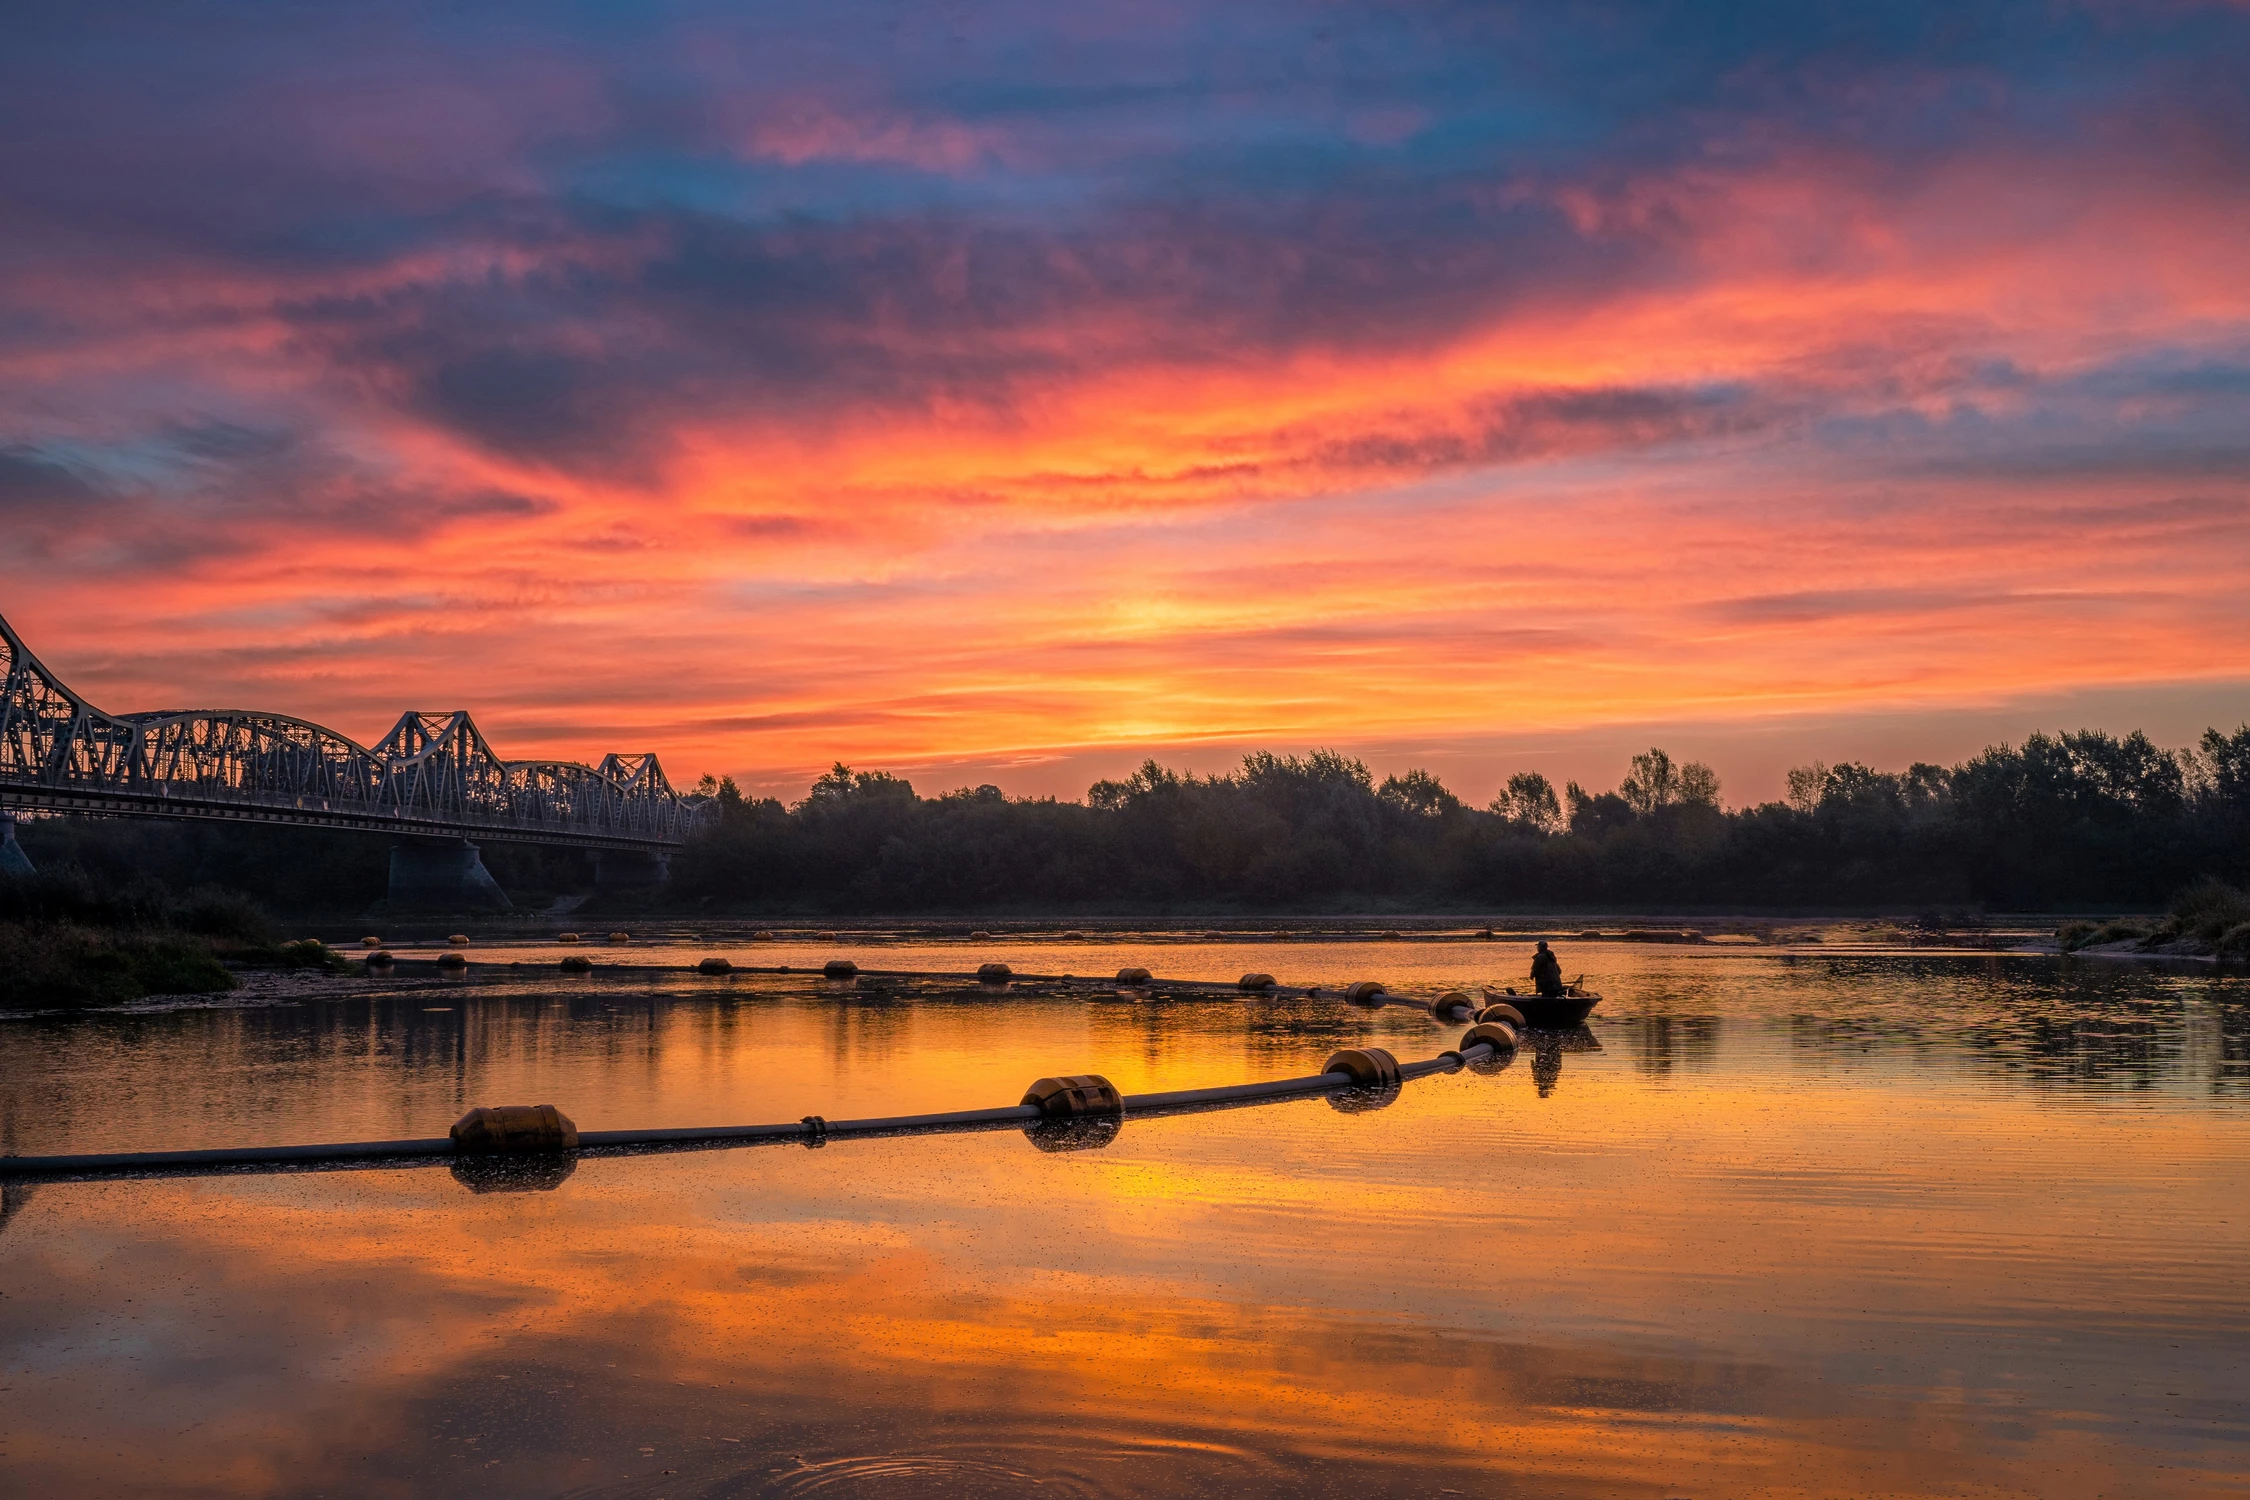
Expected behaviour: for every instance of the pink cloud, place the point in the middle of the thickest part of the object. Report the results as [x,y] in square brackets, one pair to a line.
[1868,445]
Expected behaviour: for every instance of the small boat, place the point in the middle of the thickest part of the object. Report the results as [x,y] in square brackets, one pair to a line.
[1549,1012]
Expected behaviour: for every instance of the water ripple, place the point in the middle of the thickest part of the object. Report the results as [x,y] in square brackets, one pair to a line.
[922,1474]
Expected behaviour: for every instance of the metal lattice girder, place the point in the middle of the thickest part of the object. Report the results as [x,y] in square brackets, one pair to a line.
[432,774]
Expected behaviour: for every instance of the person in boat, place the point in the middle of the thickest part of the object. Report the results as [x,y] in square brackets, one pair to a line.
[1546,973]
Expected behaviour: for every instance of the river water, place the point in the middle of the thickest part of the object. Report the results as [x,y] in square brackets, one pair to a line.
[1815,1223]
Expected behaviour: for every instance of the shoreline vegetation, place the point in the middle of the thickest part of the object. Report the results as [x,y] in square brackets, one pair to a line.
[2075,823]
[65,941]
[2211,919]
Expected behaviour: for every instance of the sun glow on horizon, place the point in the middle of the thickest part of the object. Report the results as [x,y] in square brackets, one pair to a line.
[1020,438]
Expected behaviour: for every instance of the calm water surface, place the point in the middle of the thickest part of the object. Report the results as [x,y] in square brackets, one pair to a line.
[1812,1224]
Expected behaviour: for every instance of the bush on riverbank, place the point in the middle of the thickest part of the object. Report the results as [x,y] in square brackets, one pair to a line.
[2208,917]
[2076,935]
[2212,913]
[2210,909]
[46,964]
[305,953]
[67,939]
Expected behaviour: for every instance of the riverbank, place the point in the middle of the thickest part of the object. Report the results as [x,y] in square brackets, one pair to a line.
[56,967]
[64,965]
[67,940]
[2210,921]
[69,966]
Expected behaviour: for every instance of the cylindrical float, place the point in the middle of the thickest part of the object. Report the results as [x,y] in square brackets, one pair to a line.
[1499,1034]
[1075,1096]
[514,1128]
[1367,1067]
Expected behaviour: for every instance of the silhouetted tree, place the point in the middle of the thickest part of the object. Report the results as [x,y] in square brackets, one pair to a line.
[1530,803]
[1419,793]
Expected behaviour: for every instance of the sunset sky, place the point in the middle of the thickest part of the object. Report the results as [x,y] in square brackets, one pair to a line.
[1010,392]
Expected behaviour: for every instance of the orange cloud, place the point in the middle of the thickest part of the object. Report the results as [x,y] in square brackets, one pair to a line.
[1878,448]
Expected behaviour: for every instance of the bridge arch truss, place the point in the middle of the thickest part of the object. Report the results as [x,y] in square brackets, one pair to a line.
[432,775]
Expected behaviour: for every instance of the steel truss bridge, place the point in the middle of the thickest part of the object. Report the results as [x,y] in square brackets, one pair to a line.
[432,776]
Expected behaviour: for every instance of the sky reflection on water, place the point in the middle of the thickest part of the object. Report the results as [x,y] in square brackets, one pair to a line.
[1803,1225]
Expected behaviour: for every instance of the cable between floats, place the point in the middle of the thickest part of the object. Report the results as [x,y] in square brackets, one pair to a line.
[610,968]
[430,1149]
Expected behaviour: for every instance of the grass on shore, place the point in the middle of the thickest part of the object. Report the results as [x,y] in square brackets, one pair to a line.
[66,941]
[2210,915]
[63,964]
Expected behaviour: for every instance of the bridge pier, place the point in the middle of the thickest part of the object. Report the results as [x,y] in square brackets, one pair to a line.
[447,875]
[622,869]
[13,861]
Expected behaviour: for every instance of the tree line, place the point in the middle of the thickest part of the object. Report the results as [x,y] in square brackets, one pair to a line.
[2084,821]
[2080,820]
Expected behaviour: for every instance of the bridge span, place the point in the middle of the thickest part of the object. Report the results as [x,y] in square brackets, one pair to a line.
[432,780]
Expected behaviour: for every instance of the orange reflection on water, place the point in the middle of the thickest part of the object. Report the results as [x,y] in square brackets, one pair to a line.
[1719,1256]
